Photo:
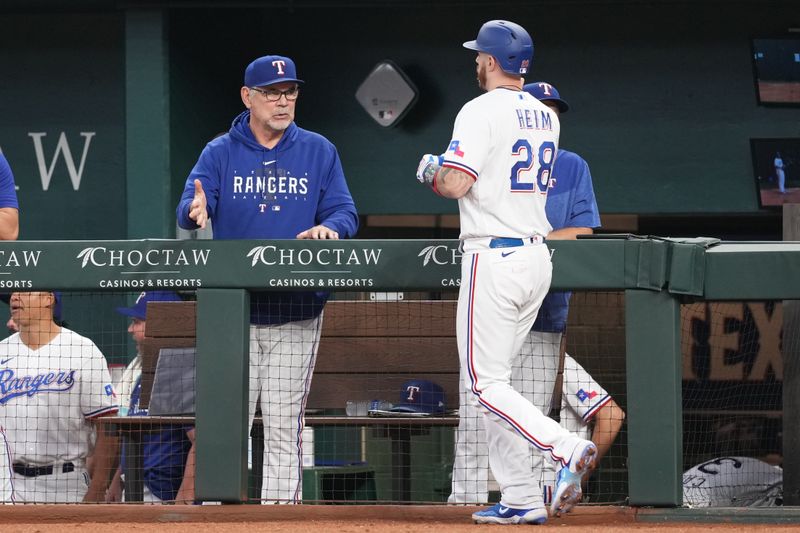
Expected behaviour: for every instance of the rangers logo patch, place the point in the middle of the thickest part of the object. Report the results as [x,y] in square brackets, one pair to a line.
[583,395]
[455,148]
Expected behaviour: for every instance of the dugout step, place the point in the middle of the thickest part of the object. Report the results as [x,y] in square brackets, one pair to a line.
[339,483]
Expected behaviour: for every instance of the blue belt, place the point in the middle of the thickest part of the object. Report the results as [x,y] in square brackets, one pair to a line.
[508,242]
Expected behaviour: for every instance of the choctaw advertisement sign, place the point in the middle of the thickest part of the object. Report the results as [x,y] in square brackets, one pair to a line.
[271,265]
[265,265]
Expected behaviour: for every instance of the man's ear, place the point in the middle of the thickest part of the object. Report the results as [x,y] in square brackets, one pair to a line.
[244,92]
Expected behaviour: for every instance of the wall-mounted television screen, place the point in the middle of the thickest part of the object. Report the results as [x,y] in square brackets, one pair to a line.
[776,167]
[776,63]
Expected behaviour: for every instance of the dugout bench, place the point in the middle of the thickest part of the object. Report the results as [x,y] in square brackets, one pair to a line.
[368,349]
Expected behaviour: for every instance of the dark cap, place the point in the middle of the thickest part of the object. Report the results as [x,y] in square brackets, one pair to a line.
[545,92]
[269,70]
[420,396]
[139,309]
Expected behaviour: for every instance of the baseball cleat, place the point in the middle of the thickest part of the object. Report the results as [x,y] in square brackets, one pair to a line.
[568,483]
[497,514]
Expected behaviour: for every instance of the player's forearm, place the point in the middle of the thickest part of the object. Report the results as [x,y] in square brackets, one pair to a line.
[186,490]
[444,181]
[9,224]
[452,183]
[104,456]
[568,233]
[607,423]
[343,219]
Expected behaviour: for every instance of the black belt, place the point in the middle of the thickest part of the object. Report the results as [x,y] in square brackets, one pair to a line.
[35,471]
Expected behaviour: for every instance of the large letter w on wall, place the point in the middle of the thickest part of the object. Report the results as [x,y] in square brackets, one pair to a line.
[46,172]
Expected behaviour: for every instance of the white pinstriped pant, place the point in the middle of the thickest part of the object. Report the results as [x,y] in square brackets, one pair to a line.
[281,365]
[501,292]
[6,474]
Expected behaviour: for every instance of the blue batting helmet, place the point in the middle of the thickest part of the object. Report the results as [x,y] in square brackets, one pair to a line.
[509,43]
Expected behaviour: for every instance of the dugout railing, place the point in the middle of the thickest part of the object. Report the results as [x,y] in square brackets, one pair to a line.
[655,274]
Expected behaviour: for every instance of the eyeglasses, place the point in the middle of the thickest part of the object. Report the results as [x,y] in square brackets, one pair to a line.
[273,95]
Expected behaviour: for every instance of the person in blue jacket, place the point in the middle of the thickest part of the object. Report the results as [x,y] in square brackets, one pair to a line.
[269,179]
[9,206]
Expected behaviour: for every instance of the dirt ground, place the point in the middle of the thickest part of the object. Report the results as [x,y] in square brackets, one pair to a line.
[338,518]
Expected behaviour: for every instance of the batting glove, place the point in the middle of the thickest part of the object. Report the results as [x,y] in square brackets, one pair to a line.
[428,167]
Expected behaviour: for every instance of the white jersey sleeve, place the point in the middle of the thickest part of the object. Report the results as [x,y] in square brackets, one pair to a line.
[469,148]
[127,383]
[582,394]
[98,396]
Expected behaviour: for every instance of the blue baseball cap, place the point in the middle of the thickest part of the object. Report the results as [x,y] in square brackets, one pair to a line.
[420,396]
[545,92]
[269,70]
[139,309]
[57,305]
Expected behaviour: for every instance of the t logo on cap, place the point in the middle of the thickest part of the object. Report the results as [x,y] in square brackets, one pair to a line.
[269,70]
[545,88]
[420,396]
[411,390]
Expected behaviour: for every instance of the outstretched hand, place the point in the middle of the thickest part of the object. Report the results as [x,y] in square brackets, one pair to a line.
[318,232]
[197,209]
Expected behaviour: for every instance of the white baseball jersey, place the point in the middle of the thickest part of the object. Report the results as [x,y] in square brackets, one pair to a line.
[49,396]
[507,141]
[127,384]
[733,482]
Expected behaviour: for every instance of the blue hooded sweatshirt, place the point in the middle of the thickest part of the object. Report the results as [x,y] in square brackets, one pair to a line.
[254,192]
[570,203]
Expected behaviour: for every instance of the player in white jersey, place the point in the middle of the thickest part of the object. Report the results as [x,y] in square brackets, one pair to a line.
[498,167]
[53,383]
[733,482]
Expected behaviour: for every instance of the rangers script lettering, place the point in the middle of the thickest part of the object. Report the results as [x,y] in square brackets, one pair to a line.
[11,387]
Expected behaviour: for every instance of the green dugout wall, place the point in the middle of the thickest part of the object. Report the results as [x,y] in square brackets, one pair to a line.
[662,95]
[656,274]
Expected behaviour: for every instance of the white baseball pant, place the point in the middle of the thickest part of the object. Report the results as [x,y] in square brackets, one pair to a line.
[501,292]
[58,487]
[281,366]
[532,375]
[6,473]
